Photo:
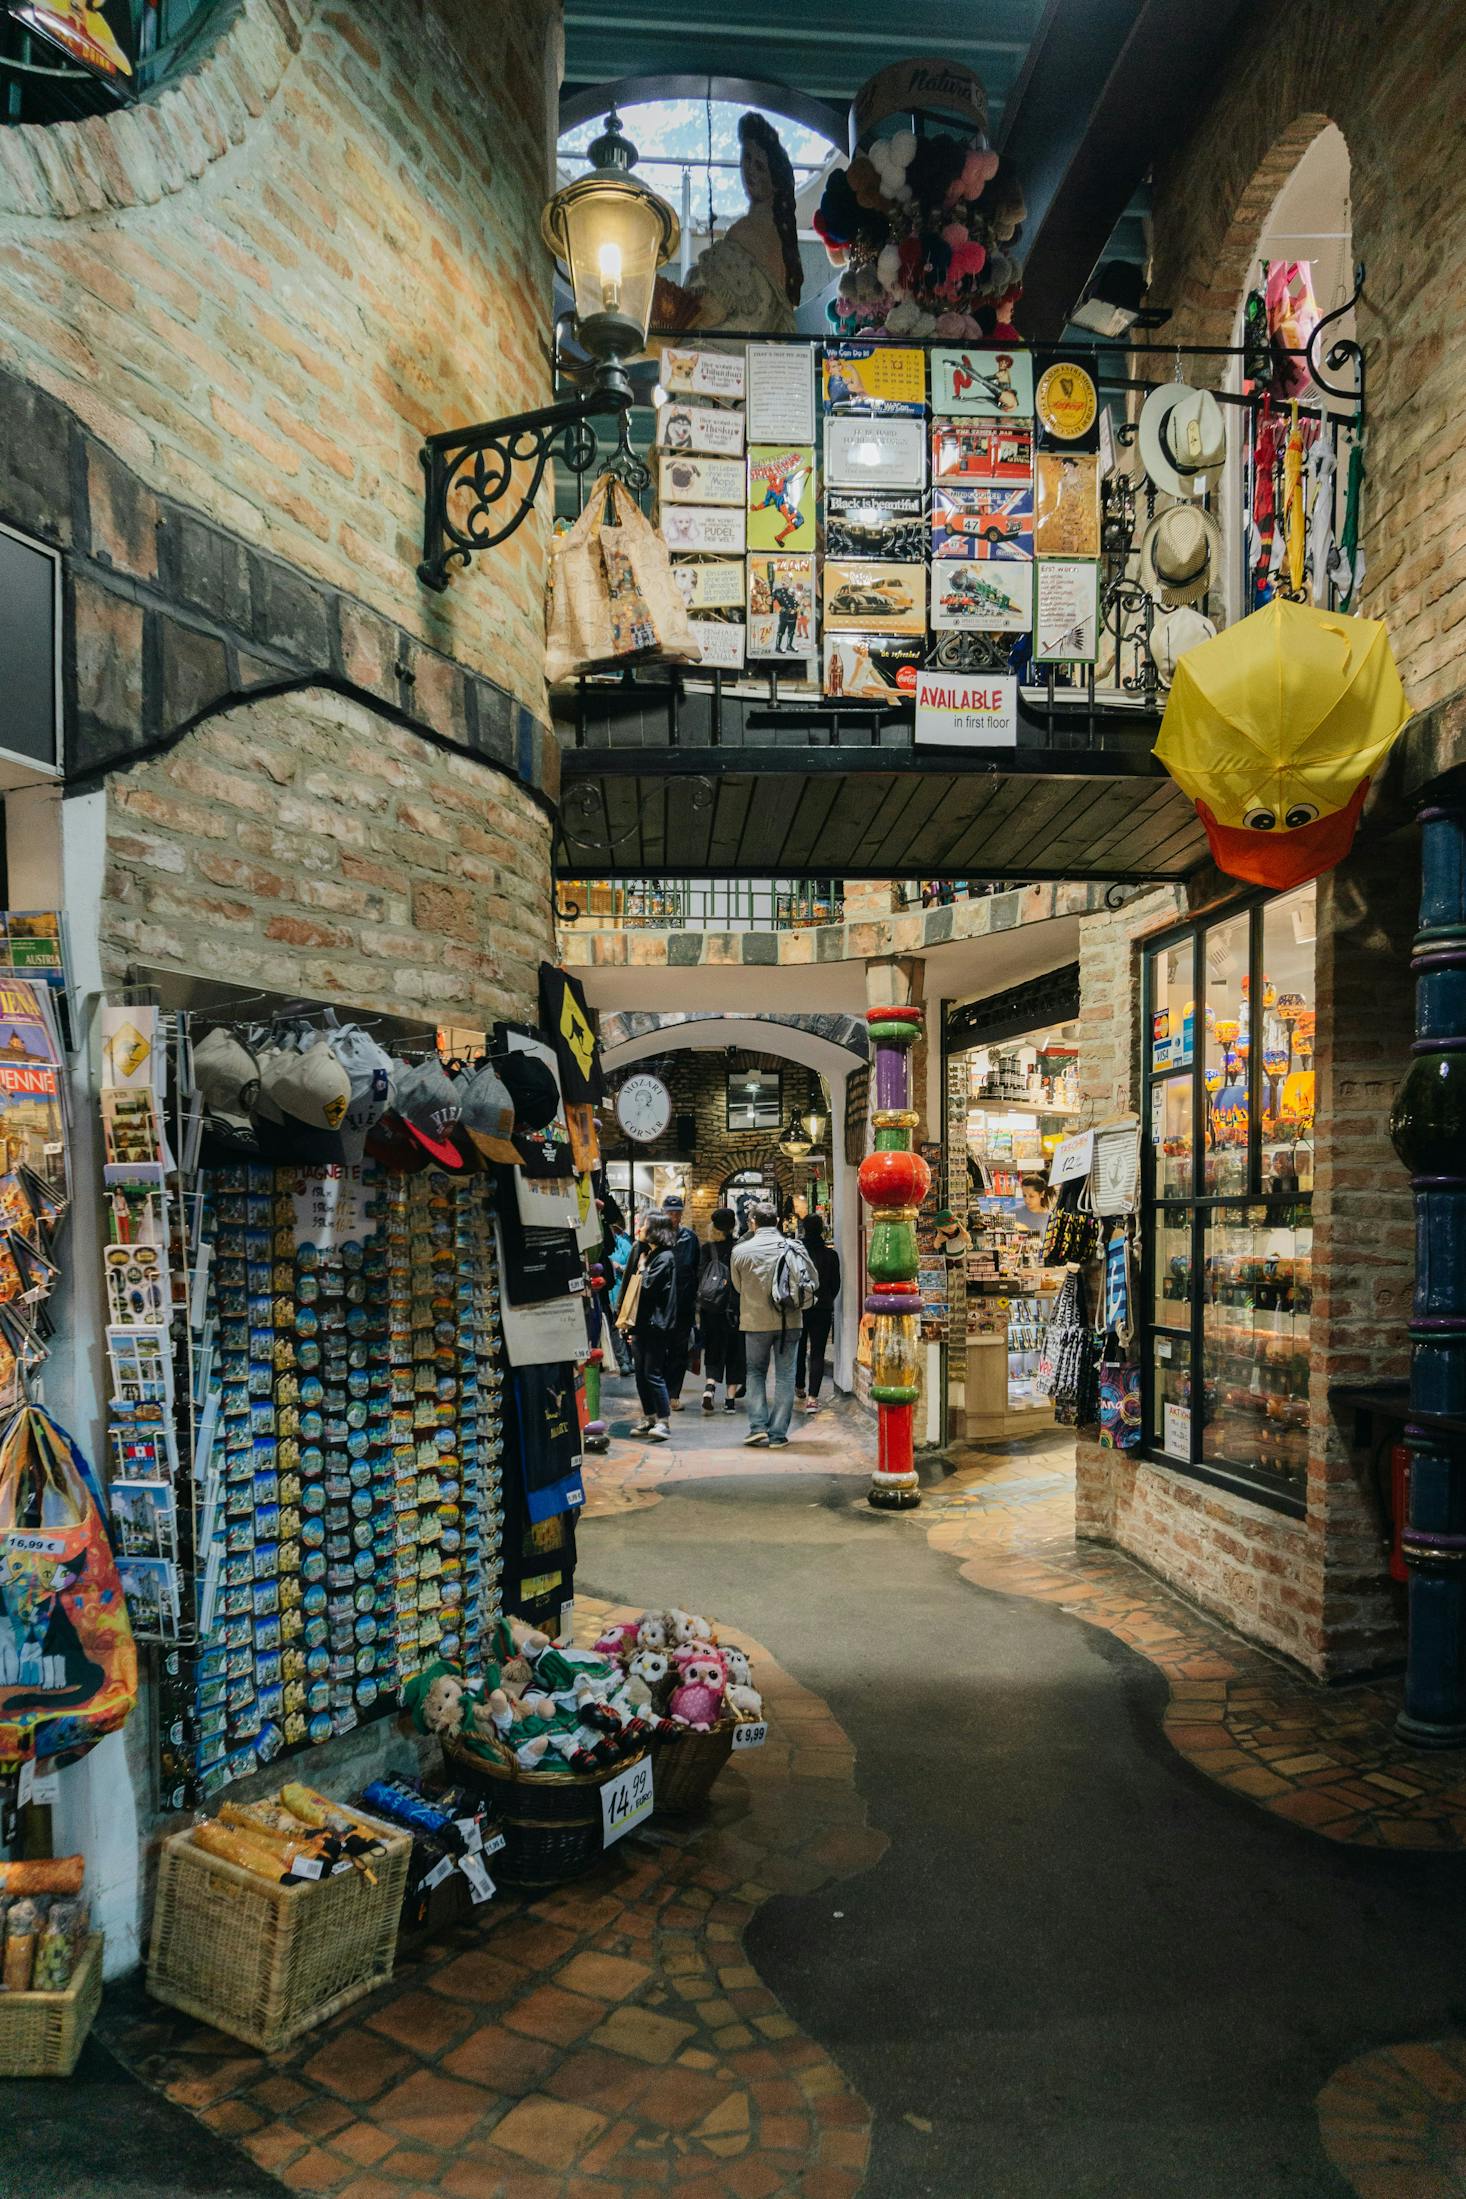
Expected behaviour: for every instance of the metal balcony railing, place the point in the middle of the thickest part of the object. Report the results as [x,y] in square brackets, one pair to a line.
[699,904]
[930,893]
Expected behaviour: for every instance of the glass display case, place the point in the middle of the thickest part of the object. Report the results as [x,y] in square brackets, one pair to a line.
[1229,1017]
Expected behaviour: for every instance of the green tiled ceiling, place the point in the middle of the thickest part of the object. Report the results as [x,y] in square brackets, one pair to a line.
[825,48]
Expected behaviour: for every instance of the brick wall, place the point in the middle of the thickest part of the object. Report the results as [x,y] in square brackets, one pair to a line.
[1292,70]
[304,843]
[262,286]
[698,1084]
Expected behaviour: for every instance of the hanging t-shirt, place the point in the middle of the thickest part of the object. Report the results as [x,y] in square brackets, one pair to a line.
[538,1263]
[567,1022]
[548,1422]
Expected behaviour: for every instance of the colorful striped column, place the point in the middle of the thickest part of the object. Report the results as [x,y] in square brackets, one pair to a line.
[1428,1126]
[893,1182]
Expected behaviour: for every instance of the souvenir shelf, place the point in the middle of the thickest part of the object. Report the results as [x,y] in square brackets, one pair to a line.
[1229,1244]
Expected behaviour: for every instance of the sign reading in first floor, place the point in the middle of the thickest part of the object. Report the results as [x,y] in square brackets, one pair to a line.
[966,710]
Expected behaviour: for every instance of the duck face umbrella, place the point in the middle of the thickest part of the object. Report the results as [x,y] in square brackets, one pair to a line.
[1275,730]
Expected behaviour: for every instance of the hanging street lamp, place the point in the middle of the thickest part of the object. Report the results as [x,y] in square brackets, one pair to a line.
[612,233]
[794,1143]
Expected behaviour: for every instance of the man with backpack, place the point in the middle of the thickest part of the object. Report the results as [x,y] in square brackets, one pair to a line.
[717,1313]
[777,1283]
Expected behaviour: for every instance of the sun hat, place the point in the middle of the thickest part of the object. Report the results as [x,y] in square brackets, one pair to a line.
[487,1114]
[1183,439]
[1173,633]
[1180,554]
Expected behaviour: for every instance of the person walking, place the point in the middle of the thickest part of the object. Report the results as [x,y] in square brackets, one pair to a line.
[687,1252]
[652,1276]
[717,1313]
[814,1340]
[770,1332]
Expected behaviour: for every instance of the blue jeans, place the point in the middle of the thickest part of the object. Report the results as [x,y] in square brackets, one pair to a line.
[766,1348]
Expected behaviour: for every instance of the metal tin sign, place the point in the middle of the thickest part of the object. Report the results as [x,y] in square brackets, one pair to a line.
[966,710]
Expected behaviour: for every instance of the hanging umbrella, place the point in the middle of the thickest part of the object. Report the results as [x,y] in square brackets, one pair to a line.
[1275,729]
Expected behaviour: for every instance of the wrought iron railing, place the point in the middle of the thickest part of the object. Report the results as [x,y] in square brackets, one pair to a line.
[930,893]
[699,904]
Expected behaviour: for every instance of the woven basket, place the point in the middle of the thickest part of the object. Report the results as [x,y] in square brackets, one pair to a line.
[42,2034]
[685,1765]
[551,1820]
[267,1962]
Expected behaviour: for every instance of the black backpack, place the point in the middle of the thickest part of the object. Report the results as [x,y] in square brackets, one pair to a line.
[714,1287]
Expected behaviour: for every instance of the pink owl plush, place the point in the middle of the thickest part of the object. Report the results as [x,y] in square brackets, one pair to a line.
[697,1700]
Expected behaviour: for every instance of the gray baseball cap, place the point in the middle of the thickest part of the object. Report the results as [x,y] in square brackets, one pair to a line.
[488,1114]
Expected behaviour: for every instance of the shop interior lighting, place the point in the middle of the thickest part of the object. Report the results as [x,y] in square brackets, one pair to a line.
[611,232]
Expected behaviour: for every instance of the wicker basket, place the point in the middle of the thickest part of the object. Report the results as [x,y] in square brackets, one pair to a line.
[551,1820]
[42,2034]
[267,1962]
[685,1765]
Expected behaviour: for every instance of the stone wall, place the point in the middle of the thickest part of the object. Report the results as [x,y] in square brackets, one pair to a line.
[307,844]
[698,1083]
[264,284]
[1293,70]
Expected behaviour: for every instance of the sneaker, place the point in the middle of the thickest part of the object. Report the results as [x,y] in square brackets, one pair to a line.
[659,1433]
[642,1427]
[800,1395]
[676,1404]
[757,1436]
[778,1442]
[708,1401]
[811,1404]
[731,1404]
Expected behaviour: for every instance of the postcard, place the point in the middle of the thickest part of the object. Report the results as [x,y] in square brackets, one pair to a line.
[982,450]
[982,523]
[146,1518]
[780,393]
[150,1586]
[781,616]
[690,373]
[710,583]
[682,479]
[874,378]
[714,527]
[866,453]
[1066,611]
[1066,504]
[700,428]
[872,524]
[987,598]
[872,667]
[781,506]
[991,380]
[861,596]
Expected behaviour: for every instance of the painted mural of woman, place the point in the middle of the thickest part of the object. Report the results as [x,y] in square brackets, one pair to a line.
[752,277]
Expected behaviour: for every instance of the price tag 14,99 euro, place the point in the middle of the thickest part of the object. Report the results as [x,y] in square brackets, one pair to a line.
[750,1734]
[625,1801]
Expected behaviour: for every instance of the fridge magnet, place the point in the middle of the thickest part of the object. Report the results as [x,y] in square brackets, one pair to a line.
[700,428]
[995,383]
[1066,504]
[714,527]
[970,598]
[781,607]
[781,512]
[780,394]
[1066,611]
[711,583]
[872,667]
[688,373]
[868,525]
[1066,404]
[982,523]
[885,598]
[683,479]
[979,451]
[721,641]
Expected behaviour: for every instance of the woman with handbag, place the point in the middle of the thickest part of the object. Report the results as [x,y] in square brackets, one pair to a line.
[649,1313]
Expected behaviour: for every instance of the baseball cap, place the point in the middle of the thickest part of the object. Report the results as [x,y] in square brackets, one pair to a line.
[428,1105]
[306,1094]
[532,1088]
[226,1073]
[369,1073]
[672,1204]
[488,1114]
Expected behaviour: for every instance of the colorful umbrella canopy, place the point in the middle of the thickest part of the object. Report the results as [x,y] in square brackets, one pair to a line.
[1275,729]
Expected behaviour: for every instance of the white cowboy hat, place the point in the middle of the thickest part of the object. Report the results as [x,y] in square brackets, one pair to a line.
[1183,439]
[1180,554]
[1173,633]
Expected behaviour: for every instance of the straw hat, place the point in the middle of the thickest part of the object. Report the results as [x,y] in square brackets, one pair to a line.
[1180,554]
[1183,439]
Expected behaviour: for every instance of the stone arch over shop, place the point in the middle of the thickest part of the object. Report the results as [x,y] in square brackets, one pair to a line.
[1220,266]
[793,1040]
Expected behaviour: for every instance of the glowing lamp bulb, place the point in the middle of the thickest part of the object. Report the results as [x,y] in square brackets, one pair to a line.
[608,262]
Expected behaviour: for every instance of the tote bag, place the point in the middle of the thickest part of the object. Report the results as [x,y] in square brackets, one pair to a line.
[630,1300]
[613,598]
[68,1662]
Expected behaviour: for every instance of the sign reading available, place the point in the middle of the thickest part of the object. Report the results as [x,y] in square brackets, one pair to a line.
[967,709]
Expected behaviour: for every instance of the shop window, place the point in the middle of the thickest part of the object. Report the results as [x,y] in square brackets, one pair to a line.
[755,1099]
[1229,1012]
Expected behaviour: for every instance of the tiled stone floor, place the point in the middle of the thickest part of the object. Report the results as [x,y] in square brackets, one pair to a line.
[608,2037]
[1394,2121]
[1326,1758]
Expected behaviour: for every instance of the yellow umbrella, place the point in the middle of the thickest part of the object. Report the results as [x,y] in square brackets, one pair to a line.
[1275,729]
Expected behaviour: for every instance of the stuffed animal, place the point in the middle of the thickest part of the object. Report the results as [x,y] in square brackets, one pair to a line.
[647,1676]
[618,1640]
[741,1696]
[697,1699]
[651,1631]
[685,1629]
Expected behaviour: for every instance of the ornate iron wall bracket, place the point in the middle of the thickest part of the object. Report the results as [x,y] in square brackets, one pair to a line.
[482,462]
